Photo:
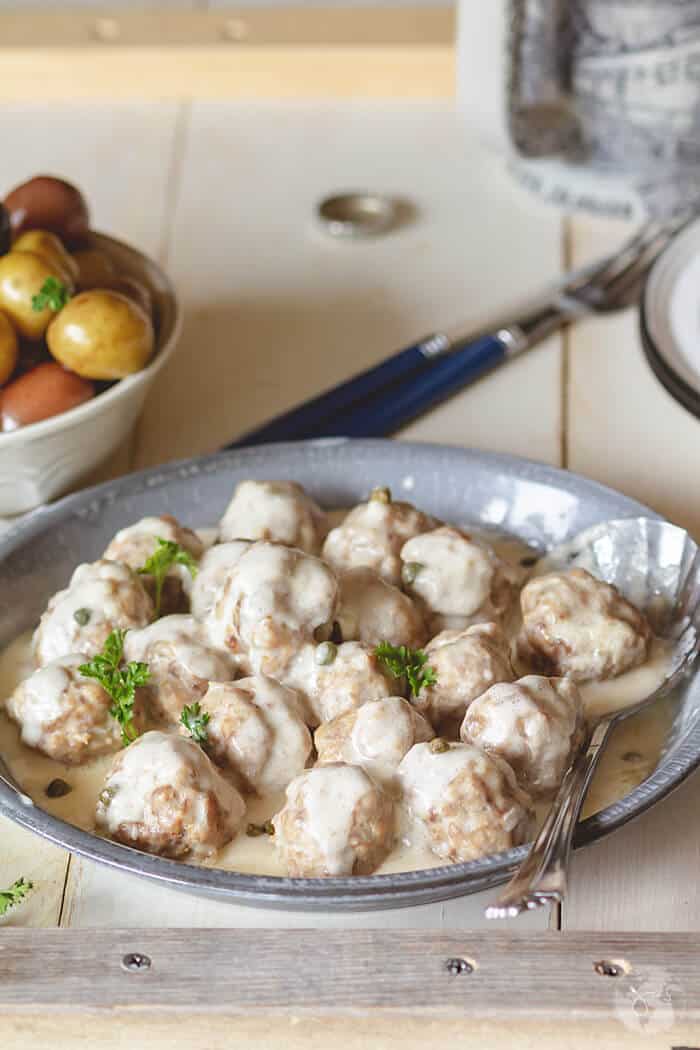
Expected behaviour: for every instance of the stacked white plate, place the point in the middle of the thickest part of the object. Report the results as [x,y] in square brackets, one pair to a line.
[670,318]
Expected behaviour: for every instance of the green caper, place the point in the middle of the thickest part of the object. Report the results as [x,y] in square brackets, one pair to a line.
[326,653]
[106,795]
[438,745]
[256,830]
[381,494]
[82,616]
[57,788]
[410,570]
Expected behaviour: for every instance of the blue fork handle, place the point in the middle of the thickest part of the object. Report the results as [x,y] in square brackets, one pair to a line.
[314,417]
[390,406]
[382,415]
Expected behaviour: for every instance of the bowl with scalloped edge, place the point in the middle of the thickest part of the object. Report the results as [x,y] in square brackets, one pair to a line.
[43,460]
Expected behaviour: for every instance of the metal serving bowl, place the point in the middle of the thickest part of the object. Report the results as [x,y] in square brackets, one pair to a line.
[541,505]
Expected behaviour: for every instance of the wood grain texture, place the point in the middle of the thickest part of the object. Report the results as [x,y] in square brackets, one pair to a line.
[277,310]
[292,51]
[125,1028]
[120,155]
[346,973]
[97,897]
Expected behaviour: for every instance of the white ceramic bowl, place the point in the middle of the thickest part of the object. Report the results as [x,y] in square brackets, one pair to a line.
[45,459]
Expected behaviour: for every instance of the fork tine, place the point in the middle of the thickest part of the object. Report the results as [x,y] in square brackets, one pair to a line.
[620,283]
[618,273]
[611,264]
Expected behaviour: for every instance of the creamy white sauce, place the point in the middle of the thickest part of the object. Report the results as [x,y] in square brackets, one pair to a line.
[631,756]
[453,575]
[329,795]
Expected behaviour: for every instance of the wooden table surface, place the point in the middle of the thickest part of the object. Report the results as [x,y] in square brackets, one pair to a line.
[223,195]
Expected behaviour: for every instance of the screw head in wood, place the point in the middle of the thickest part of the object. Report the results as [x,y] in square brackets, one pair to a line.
[135,962]
[457,966]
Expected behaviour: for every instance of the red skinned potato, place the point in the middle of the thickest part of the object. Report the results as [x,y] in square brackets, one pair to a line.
[45,391]
[101,334]
[49,203]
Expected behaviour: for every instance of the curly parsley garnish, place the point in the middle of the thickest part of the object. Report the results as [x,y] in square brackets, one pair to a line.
[53,293]
[402,662]
[16,893]
[166,554]
[119,682]
[195,722]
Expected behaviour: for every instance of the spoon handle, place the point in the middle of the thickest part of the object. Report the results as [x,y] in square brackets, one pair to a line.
[542,875]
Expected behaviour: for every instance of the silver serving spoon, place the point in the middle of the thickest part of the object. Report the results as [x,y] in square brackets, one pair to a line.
[657,567]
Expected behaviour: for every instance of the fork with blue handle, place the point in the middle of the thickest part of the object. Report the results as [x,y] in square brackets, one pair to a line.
[382,399]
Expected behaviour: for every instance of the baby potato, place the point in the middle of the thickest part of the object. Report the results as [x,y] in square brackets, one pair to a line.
[9,348]
[50,248]
[95,269]
[45,391]
[48,203]
[22,276]
[101,334]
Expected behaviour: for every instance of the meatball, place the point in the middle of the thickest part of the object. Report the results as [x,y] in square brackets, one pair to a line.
[535,724]
[180,662]
[468,801]
[372,535]
[164,795]
[136,543]
[256,732]
[333,679]
[101,596]
[214,568]
[373,611]
[466,664]
[375,736]
[335,821]
[279,511]
[274,600]
[457,580]
[65,715]
[576,625]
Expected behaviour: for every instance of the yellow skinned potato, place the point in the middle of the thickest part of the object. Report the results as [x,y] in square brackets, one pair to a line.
[22,276]
[50,248]
[9,348]
[101,334]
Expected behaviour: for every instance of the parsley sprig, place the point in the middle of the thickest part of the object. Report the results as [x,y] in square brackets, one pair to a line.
[195,722]
[403,662]
[16,893]
[166,554]
[119,682]
[53,293]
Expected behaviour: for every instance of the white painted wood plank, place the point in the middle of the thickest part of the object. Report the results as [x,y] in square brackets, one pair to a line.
[626,431]
[99,897]
[120,156]
[277,310]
